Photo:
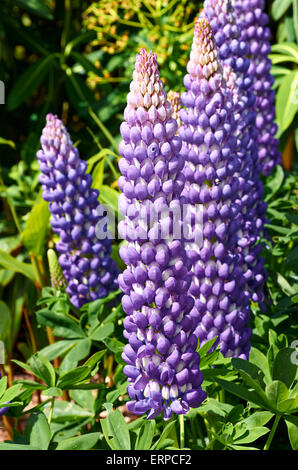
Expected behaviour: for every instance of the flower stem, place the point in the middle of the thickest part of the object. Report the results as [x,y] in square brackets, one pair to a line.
[51,410]
[272,432]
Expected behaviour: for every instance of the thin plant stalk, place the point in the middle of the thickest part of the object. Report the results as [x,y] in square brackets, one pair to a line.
[272,432]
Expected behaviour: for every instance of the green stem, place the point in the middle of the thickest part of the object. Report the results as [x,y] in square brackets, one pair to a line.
[181,422]
[67,19]
[272,432]
[51,410]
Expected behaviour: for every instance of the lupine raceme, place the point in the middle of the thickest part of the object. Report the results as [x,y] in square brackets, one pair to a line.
[162,362]
[234,52]
[255,33]
[85,256]
[218,171]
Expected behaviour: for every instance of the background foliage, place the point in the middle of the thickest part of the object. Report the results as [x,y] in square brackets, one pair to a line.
[75,58]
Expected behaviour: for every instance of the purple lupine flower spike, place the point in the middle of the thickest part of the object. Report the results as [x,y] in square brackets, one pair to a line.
[215,181]
[162,362]
[252,22]
[234,52]
[85,257]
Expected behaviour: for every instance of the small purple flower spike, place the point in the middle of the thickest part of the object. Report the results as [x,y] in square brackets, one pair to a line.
[85,258]
[162,362]
[253,24]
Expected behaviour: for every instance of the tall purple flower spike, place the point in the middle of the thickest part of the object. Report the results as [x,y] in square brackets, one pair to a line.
[252,22]
[217,172]
[163,365]
[88,268]
[234,52]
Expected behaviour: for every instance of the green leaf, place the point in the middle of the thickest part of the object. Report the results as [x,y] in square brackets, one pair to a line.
[115,427]
[84,442]
[102,332]
[57,349]
[288,406]
[287,100]
[240,391]
[9,262]
[279,7]
[292,425]
[274,182]
[11,393]
[252,435]
[62,325]
[80,350]
[7,142]
[205,348]
[43,369]
[84,398]
[109,197]
[67,411]
[114,345]
[276,392]
[259,418]
[36,228]
[38,7]
[251,369]
[145,436]
[165,433]
[289,48]
[283,368]
[52,392]
[72,377]
[29,81]
[38,431]
[94,359]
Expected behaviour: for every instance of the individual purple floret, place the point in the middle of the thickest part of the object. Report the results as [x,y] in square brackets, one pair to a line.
[252,22]
[4,410]
[85,257]
[216,180]
[163,365]
[234,52]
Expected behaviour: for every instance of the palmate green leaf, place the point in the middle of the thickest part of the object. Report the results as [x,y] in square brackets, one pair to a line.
[162,441]
[15,265]
[287,100]
[57,349]
[288,48]
[67,411]
[84,442]
[116,431]
[145,436]
[52,392]
[102,332]
[257,419]
[251,435]
[241,392]
[255,386]
[62,325]
[29,81]
[292,425]
[93,361]
[11,393]
[72,377]
[283,367]
[276,392]
[38,431]
[36,228]
[288,406]
[114,345]
[84,398]
[43,369]
[249,368]
[80,350]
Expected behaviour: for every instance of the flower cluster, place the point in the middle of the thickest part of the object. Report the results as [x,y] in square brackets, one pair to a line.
[217,172]
[163,365]
[252,22]
[234,53]
[76,213]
